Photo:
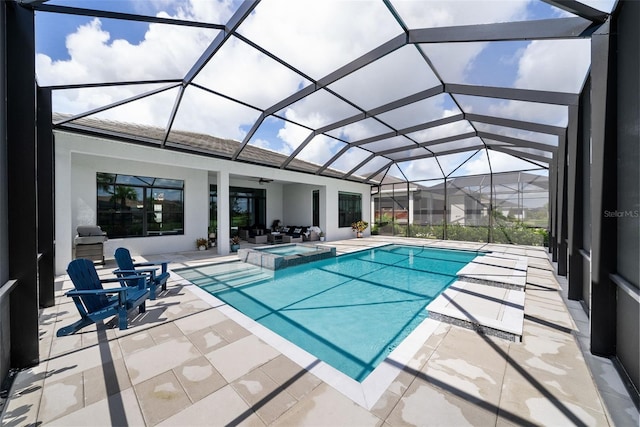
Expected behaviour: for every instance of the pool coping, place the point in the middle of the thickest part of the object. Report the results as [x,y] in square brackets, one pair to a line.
[507,325]
[365,393]
[505,315]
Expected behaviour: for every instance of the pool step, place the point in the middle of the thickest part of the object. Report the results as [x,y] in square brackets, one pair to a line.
[493,310]
[499,270]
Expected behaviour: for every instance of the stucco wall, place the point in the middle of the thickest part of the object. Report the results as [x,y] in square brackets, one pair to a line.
[332,230]
[301,197]
[83,201]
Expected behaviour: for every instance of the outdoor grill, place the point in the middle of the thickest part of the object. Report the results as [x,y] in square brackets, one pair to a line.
[89,242]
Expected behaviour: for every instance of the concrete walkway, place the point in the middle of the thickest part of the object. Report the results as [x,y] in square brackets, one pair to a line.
[185,362]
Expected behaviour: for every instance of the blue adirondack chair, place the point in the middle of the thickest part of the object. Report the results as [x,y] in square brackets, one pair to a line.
[96,303]
[126,267]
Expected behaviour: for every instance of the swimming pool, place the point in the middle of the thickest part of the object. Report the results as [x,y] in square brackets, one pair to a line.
[350,311]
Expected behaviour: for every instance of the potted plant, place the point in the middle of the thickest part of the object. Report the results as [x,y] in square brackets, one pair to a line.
[235,243]
[359,227]
[201,243]
[321,235]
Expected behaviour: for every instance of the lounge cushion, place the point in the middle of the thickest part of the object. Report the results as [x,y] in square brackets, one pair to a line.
[90,230]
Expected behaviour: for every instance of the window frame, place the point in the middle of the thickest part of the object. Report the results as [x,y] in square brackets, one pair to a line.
[152,206]
[353,213]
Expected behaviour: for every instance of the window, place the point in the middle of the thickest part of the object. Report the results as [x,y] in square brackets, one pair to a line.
[138,206]
[248,207]
[316,208]
[213,208]
[349,208]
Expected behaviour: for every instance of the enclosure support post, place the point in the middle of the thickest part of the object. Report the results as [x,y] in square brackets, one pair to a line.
[490,231]
[22,183]
[562,207]
[444,212]
[603,196]
[574,199]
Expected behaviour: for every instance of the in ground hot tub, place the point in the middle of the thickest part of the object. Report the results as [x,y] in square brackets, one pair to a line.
[283,256]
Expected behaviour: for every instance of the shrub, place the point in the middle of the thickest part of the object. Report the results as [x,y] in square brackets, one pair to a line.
[505,233]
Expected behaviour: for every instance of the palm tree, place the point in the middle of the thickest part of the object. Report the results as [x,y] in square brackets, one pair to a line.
[122,194]
[105,180]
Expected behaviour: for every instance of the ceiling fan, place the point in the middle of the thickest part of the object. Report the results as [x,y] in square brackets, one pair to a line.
[264,181]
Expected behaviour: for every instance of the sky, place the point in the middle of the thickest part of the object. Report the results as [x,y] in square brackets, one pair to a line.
[315,38]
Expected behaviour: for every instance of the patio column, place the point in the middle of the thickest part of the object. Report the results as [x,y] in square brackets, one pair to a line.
[324,219]
[224,222]
[373,208]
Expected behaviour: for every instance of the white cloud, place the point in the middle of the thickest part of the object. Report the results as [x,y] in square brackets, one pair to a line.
[543,138]
[360,130]
[427,168]
[443,131]
[238,69]
[349,160]
[559,65]
[268,145]
[430,14]
[318,37]
[500,162]
[94,57]
[476,166]
[400,73]
[293,135]
[166,52]
[503,162]
[446,13]
[320,149]
[207,113]
[454,68]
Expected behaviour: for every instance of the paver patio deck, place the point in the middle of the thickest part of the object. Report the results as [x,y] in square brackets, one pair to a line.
[184,362]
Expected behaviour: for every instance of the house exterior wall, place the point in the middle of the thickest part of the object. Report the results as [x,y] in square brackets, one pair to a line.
[78,158]
[456,210]
[300,196]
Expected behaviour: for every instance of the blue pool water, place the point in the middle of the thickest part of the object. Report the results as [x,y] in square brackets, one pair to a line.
[350,311]
[288,250]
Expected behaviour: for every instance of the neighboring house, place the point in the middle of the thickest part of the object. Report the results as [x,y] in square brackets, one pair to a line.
[515,196]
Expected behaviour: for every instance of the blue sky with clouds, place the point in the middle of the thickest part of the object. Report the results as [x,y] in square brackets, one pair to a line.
[313,38]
